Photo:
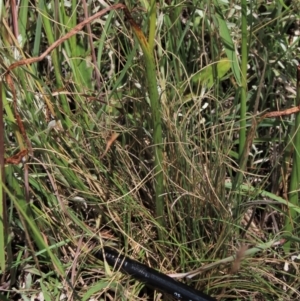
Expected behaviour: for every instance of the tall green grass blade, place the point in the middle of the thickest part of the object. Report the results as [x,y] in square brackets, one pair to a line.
[292,219]
[156,121]
[243,106]
[3,207]
[152,25]
[228,43]
[38,32]
[22,21]
[3,238]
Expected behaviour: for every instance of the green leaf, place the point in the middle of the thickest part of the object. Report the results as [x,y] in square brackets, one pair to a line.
[96,288]
[205,75]
[248,189]
[228,43]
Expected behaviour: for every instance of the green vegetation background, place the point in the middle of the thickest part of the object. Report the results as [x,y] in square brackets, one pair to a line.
[144,132]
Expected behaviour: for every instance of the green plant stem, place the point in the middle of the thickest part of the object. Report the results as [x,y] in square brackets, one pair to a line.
[240,75]
[295,176]
[242,134]
[3,210]
[243,108]
[152,25]
[156,119]
[22,20]
[157,139]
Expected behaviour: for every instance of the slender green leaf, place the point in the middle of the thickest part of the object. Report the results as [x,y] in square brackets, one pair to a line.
[227,42]
[205,76]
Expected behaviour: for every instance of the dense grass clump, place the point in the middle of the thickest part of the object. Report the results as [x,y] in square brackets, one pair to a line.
[167,130]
